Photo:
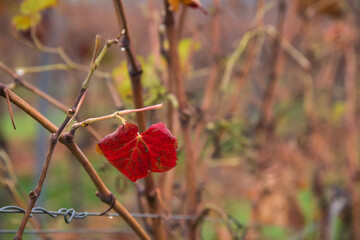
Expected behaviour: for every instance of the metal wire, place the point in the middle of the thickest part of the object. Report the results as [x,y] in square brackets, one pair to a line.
[70,214]
[76,231]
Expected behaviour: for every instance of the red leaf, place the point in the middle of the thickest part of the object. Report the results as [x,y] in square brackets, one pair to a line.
[135,155]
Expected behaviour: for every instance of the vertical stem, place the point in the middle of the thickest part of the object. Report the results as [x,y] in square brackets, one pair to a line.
[166,180]
[351,140]
[34,195]
[115,96]
[67,139]
[184,115]
[154,32]
[135,72]
[19,201]
[277,64]
[71,113]
[211,81]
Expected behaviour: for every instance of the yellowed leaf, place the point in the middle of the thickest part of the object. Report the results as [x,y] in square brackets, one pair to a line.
[24,22]
[30,13]
[174,4]
[35,6]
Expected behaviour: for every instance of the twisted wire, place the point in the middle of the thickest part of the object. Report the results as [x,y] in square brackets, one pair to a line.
[70,214]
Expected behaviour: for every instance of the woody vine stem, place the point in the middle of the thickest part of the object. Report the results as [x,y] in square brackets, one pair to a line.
[57,134]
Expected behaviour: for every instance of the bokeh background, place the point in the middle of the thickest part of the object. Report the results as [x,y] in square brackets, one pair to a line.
[273,92]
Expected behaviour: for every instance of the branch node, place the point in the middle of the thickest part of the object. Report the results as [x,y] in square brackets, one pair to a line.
[124,42]
[17,80]
[111,42]
[67,138]
[106,198]
[33,195]
[169,19]
[53,139]
[135,72]
[113,201]
[185,116]
[70,112]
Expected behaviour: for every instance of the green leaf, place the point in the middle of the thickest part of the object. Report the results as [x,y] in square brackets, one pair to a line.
[122,82]
[172,98]
[338,111]
[185,47]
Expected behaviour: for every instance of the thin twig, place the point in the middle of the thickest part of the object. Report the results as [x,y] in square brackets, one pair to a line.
[103,191]
[184,117]
[69,63]
[32,112]
[9,107]
[10,183]
[18,81]
[182,20]
[34,195]
[211,83]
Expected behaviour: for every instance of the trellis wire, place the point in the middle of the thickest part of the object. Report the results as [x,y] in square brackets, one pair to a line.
[70,214]
[76,231]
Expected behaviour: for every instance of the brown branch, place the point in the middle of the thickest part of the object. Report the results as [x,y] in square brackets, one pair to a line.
[23,83]
[9,107]
[153,20]
[213,76]
[114,95]
[103,192]
[32,88]
[9,181]
[135,72]
[34,195]
[32,112]
[351,129]
[253,49]
[166,180]
[182,20]
[67,141]
[277,64]
[184,117]
[69,64]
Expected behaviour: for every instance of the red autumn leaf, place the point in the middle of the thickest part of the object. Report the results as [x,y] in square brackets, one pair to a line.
[136,155]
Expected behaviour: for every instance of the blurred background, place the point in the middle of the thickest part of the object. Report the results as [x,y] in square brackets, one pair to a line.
[272,88]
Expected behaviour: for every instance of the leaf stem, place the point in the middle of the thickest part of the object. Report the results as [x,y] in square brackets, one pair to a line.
[116,114]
